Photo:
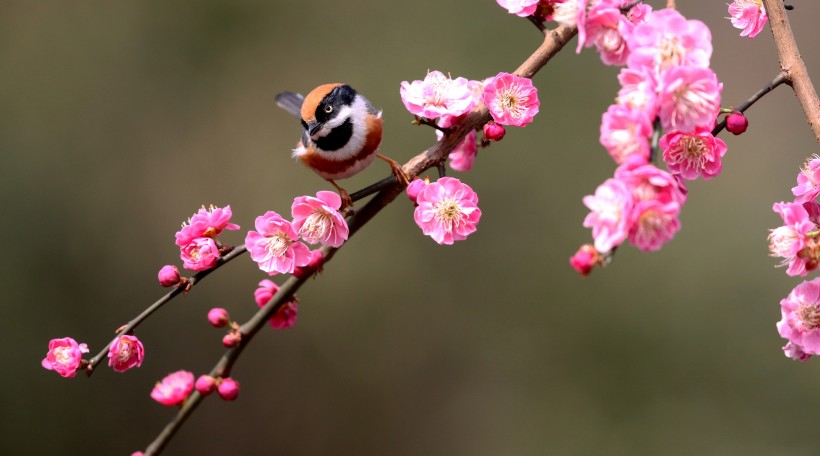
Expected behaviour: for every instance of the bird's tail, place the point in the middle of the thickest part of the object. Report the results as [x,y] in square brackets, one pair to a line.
[290,102]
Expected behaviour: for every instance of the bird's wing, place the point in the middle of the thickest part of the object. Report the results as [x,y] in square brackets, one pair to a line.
[290,102]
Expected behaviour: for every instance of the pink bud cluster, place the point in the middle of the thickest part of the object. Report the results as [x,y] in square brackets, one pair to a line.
[275,244]
[797,243]
[198,246]
[175,388]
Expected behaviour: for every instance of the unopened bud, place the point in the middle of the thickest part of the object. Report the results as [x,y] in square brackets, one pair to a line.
[736,122]
[228,389]
[494,131]
[232,339]
[168,276]
[218,317]
[205,384]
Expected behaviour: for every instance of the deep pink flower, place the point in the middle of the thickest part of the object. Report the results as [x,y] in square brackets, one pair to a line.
[609,207]
[693,154]
[219,317]
[125,353]
[800,322]
[285,316]
[64,356]
[447,210]
[625,132]
[647,182]
[208,222]
[808,181]
[795,352]
[317,220]
[199,254]
[668,40]
[174,388]
[736,123]
[689,98]
[168,276]
[463,155]
[437,95]
[493,131]
[205,384]
[228,389]
[511,100]
[275,245]
[415,187]
[521,8]
[748,15]
[584,259]
[317,259]
[653,224]
[795,242]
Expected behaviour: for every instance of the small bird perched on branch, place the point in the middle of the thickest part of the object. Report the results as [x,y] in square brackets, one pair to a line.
[341,133]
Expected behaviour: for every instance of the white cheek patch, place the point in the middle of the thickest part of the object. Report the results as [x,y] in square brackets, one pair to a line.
[357,113]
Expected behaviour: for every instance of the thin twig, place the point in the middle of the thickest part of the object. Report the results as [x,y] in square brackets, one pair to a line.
[779,79]
[553,42]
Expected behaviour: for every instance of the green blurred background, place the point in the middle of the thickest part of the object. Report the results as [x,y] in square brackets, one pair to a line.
[119,119]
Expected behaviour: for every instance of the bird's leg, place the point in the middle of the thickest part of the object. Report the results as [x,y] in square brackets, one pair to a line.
[346,201]
[398,171]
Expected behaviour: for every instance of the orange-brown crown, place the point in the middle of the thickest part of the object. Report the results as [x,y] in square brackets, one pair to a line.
[313,99]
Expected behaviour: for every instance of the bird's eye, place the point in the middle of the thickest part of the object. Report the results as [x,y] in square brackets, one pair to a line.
[328,109]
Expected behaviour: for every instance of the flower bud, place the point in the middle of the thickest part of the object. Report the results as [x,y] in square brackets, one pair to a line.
[218,317]
[205,384]
[494,131]
[584,259]
[315,265]
[228,389]
[736,123]
[232,339]
[415,188]
[168,276]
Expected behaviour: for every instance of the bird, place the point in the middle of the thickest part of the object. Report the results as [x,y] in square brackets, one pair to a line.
[341,133]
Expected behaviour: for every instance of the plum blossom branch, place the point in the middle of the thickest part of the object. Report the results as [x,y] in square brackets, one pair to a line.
[778,80]
[792,65]
[182,288]
[388,189]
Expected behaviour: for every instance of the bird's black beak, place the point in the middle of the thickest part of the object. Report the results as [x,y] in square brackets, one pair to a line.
[314,127]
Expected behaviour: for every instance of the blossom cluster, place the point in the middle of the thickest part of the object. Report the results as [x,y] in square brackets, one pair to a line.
[199,248]
[667,91]
[65,355]
[797,243]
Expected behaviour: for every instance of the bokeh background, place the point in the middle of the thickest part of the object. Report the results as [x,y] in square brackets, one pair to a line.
[119,119]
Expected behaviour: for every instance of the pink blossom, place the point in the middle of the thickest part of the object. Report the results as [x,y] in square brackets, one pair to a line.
[64,356]
[126,352]
[796,241]
[511,100]
[285,316]
[647,182]
[205,384]
[609,207]
[639,92]
[795,352]
[808,181]
[437,95]
[463,155]
[639,13]
[625,132]
[748,15]
[447,210]
[606,29]
[415,187]
[275,245]
[228,389]
[174,388]
[584,259]
[689,98]
[653,224]
[317,259]
[199,254]
[668,40]
[219,317]
[521,8]
[317,220]
[572,13]
[168,276]
[736,123]
[800,322]
[208,222]
[693,154]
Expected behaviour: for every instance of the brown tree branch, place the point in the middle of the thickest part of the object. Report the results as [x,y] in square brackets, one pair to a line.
[792,65]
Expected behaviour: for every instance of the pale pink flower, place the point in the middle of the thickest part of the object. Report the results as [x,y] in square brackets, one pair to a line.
[609,207]
[653,224]
[64,356]
[275,245]
[511,100]
[463,155]
[584,259]
[572,13]
[693,154]
[800,322]
[285,316]
[126,352]
[639,13]
[808,181]
[625,132]
[317,220]
[521,8]
[795,352]
[437,95]
[647,182]
[606,28]
[748,15]
[689,98]
[199,254]
[668,40]
[208,222]
[447,210]
[796,240]
[174,388]
[639,92]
